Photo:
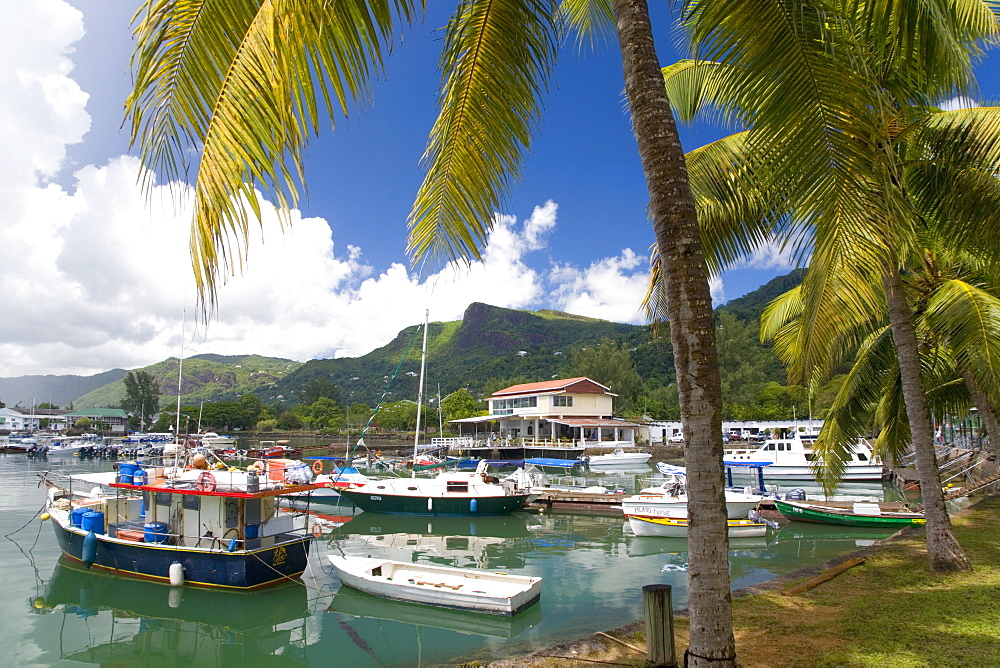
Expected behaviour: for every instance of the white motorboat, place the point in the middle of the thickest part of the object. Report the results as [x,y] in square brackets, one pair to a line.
[793,459]
[462,588]
[671,527]
[211,439]
[670,499]
[618,458]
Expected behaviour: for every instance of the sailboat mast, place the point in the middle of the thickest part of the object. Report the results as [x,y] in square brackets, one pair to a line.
[420,392]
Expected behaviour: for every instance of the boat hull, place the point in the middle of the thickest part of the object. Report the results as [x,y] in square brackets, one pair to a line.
[398,504]
[457,588]
[250,569]
[804,512]
[676,507]
[678,528]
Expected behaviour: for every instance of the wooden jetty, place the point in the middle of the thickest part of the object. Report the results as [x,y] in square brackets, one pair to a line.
[576,501]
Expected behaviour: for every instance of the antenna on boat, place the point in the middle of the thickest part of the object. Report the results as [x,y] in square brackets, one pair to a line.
[420,393]
[180,371]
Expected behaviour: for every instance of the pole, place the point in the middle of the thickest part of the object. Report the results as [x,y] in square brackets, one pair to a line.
[420,394]
[658,612]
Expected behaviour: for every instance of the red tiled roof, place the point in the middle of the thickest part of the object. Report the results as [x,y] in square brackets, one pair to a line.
[587,386]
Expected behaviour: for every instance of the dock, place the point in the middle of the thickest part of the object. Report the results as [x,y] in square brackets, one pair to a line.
[591,503]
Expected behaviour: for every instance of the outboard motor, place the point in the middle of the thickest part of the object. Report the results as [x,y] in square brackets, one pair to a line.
[797,494]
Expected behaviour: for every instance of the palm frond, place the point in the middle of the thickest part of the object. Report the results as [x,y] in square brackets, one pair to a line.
[496,63]
[592,21]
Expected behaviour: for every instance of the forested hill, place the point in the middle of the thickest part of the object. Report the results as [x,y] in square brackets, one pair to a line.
[489,348]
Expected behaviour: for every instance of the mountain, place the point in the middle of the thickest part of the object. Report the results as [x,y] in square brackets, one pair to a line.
[58,390]
[205,378]
[489,345]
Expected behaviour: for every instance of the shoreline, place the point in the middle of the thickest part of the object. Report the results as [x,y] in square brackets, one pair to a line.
[595,650]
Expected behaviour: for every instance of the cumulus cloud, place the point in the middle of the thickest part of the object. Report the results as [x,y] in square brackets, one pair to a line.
[956,103]
[97,274]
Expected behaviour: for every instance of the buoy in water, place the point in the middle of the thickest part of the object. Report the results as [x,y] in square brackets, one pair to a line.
[89,549]
[45,516]
[176,572]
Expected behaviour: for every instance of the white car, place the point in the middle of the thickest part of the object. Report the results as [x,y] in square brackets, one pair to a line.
[676,438]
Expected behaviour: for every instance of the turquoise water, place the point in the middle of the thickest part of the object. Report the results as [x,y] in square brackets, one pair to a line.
[593,571]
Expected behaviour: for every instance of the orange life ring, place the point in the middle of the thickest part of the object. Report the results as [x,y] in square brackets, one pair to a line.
[318,466]
[206,482]
[260,465]
[317,530]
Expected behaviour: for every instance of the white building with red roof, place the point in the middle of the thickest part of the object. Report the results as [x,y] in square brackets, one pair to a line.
[569,413]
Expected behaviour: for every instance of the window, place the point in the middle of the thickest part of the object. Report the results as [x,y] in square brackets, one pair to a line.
[457,486]
[769,447]
[562,400]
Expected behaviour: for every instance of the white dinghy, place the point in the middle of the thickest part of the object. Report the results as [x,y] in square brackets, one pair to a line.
[460,588]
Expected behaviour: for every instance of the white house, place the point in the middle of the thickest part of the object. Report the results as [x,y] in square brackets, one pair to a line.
[577,411]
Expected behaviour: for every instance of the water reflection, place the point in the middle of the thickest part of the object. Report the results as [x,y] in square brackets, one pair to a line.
[151,623]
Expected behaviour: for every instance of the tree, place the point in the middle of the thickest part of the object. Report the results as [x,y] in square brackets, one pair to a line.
[142,395]
[848,164]
[461,404]
[226,80]
[318,387]
[611,365]
[44,406]
[83,423]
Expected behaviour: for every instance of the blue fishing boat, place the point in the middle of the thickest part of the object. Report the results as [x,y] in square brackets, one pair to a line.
[208,528]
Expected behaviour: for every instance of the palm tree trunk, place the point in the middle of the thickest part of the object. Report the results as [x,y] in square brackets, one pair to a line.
[943,550]
[692,333]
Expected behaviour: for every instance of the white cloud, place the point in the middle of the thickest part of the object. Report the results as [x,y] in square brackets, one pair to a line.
[956,103]
[97,275]
[772,255]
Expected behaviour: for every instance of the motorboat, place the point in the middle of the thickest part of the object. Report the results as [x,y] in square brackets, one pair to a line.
[475,590]
[211,439]
[448,493]
[617,458]
[793,459]
[200,527]
[670,498]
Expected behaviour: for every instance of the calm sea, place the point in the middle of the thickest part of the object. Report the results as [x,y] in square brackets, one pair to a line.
[593,569]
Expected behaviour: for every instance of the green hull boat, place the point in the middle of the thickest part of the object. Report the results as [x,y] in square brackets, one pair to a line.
[849,514]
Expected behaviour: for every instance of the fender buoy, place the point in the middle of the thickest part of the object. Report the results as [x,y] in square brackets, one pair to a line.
[206,482]
[317,530]
[176,574]
[318,467]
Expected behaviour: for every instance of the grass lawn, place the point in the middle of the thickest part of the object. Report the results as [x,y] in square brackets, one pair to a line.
[890,611]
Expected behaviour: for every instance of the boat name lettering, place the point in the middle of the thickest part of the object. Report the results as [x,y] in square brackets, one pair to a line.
[374,497]
[280,554]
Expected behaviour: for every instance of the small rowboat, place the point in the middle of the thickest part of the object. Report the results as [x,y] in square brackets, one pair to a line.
[849,514]
[677,527]
[460,588]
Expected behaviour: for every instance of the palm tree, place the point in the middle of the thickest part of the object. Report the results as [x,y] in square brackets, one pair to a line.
[839,145]
[958,324]
[245,83]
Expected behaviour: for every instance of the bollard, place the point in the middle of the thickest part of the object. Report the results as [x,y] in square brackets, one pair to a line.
[658,612]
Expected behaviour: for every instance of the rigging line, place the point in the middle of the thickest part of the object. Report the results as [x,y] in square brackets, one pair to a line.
[385,392]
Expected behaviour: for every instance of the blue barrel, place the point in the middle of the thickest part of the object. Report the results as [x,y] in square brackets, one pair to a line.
[140,477]
[251,531]
[155,532]
[76,516]
[93,521]
[125,472]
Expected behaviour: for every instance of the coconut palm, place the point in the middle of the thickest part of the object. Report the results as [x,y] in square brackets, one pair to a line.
[843,153]
[246,82]
[958,324]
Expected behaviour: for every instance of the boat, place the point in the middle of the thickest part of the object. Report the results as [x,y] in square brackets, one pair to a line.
[856,514]
[207,528]
[72,445]
[617,458]
[213,440]
[793,458]
[670,498]
[677,527]
[459,588]
[448,493]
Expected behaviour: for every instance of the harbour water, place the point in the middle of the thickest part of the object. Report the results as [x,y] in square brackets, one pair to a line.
[56,614]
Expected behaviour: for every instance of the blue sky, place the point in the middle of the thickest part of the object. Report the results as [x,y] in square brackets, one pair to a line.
[111,268]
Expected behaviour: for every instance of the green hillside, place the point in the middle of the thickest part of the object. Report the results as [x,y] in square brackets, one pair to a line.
[205,378]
